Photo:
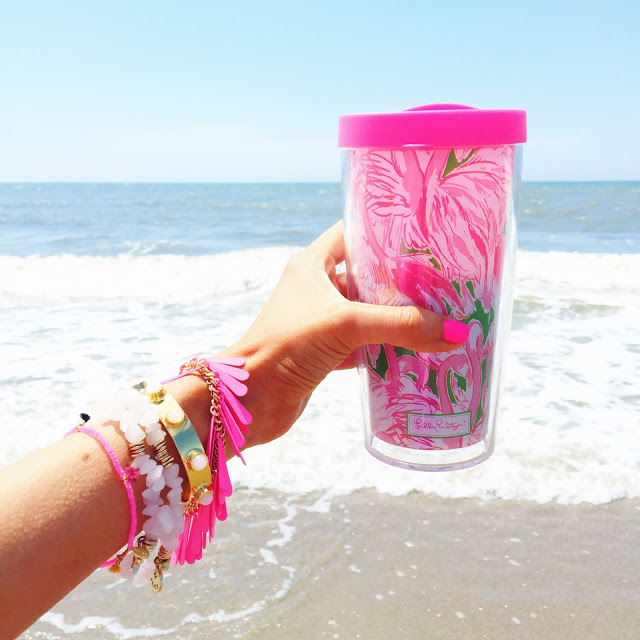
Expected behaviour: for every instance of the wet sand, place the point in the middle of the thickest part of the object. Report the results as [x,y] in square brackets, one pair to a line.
[376,566]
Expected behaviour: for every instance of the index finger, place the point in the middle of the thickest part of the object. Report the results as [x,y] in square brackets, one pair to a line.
[329,247]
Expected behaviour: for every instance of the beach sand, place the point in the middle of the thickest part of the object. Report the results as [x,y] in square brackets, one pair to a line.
[376,566]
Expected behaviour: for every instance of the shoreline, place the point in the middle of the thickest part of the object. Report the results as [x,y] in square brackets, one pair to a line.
[368,565]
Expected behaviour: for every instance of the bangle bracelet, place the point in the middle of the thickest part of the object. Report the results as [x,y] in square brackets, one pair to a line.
[229,420]
[184,436]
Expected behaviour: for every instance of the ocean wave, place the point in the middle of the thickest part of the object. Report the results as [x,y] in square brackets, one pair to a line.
[568,421]
[550,274]
[142,276]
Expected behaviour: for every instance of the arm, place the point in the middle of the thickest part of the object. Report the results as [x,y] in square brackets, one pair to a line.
[65,510]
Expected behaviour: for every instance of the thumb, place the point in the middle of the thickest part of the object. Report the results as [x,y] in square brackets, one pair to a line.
[410,327]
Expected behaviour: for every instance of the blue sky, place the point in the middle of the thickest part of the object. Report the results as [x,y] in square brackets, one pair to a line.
[252,91]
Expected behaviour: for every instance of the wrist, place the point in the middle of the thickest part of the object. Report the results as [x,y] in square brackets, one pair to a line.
[272,411]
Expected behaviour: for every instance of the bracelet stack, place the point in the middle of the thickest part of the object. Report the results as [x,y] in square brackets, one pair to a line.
[181,515]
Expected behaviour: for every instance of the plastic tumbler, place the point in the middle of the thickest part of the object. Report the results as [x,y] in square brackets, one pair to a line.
[429,207]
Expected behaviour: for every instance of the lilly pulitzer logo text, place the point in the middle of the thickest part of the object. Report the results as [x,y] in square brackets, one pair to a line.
[438,426]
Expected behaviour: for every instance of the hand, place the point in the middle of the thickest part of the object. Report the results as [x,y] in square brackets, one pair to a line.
[308,328]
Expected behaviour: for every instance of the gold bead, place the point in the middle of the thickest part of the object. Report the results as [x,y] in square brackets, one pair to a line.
[162,455]
[137,449]
[200,493]
[197,460]
[175,417]
[156,392]
[164,554]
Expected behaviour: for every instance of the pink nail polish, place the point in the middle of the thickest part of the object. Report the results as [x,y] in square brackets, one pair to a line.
[455,332]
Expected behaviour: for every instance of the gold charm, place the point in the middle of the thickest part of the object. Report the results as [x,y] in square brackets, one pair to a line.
[156,579]
[115,567]
[141,552]
[135,565]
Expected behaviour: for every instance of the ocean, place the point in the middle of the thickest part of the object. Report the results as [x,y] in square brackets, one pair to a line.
[103,284]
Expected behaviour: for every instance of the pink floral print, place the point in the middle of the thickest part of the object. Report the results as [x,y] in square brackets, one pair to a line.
[427,227]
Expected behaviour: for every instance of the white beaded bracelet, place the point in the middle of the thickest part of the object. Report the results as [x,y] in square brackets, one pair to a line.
[139,424]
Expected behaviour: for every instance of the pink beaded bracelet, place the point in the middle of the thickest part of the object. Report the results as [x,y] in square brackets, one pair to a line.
[127,475]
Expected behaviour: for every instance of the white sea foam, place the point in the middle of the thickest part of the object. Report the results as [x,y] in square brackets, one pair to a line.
[176,278]
[74,326]
[113,627]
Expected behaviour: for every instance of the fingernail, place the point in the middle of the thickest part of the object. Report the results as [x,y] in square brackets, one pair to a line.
[455,332]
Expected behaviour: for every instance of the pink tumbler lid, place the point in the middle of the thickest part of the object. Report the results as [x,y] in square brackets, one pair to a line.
[433,125]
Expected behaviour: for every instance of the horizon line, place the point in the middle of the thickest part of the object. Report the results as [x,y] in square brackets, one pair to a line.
[266,182]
